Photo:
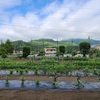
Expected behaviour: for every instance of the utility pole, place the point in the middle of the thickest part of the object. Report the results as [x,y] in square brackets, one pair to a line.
[57,50]
[31,46]
[1,41]
[72,45]
[89,39]
[72,41]
[43,46]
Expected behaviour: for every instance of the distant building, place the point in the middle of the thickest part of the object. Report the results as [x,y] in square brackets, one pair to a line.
[14,52]
[31,56]
[67,55]
[18,52]
[95,47]
[81,55]
[50,52]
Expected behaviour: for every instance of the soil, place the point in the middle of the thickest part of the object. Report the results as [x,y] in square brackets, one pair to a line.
[48,95]
[50,78]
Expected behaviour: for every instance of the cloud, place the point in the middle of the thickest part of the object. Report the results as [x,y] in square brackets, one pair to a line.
[68,19]
[5,6]
[9,3]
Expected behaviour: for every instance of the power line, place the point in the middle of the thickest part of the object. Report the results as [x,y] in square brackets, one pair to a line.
[46,28]
[4,16]
[75,19]
[89,9]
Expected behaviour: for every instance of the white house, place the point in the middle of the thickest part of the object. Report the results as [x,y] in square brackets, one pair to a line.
[81,55]
[18,52]
[67,55]
[50,52]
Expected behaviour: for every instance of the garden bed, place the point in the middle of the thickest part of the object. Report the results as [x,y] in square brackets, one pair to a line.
[49,73]
[46,85]
[63,82]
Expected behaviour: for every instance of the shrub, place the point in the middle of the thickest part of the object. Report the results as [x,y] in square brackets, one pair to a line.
[26,51]
[4,56]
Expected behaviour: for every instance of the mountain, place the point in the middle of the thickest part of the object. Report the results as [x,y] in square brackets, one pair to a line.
[78,41]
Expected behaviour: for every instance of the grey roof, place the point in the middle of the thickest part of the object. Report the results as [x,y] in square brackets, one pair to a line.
[93,46]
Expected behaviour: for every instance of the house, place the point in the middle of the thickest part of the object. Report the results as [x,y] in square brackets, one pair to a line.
[31,56]
[67,55]
[81,55]
[18,52]
[50,52]
[95,47]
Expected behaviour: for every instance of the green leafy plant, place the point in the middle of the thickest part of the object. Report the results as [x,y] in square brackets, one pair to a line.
[95,71]
[26,70]
[11,72]
[99,75]
[86,71]
[7,80]
[17,70]
[54,84]
[37,82]
[21,72]
[22,80]
[79,83]
[55,78]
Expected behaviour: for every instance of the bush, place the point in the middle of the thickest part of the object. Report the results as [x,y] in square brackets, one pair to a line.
[4,56]
[76,58]
[26,51]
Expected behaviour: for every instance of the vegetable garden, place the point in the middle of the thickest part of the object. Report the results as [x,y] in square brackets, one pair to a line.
[50,68]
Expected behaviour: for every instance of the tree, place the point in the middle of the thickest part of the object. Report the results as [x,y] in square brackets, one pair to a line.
[9,46]
[62,49]
[41,53]
[4,55]
[84,48]
[71,49]
[94,52]
[26,51]
[3,51]
[2,48]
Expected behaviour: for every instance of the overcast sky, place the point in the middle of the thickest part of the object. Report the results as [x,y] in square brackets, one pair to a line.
[62,19]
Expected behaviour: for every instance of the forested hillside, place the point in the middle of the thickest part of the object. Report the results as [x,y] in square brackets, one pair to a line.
[40,44]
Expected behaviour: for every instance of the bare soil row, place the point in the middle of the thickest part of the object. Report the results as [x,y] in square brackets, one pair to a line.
[50,78]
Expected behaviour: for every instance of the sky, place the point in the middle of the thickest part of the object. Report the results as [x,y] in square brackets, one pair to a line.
[53,19]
